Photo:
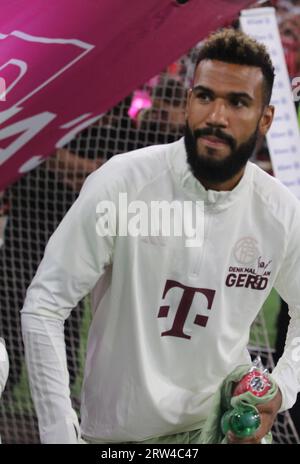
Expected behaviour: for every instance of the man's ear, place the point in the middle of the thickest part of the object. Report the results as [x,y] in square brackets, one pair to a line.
[266,119]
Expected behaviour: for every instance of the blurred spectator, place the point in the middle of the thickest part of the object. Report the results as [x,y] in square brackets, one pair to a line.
[114,133]
[289,28]
[165,120]
[286,7]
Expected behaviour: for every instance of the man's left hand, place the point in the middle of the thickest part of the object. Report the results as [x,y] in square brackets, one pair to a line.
[268,412]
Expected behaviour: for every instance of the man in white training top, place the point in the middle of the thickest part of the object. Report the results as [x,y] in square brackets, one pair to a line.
[171,314]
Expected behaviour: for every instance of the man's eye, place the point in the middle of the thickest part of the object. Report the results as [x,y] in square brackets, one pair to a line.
[238,103]
[203,96]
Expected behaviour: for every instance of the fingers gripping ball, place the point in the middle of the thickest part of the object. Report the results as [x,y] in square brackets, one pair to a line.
[243,419]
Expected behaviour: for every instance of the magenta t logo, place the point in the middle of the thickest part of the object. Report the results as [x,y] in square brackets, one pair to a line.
[184,308]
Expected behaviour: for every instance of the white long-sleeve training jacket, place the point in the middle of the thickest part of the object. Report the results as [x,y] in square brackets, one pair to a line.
[170,321]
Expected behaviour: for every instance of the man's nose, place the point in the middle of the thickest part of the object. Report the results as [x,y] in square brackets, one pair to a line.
[218,114]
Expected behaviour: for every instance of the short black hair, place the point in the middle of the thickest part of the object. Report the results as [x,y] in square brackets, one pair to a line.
[232,46]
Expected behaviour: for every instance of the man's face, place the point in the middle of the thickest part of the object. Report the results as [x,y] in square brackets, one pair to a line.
[224,115]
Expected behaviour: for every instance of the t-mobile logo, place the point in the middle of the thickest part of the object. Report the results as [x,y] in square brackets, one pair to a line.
[177,329]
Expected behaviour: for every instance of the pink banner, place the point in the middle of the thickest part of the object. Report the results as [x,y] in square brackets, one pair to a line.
[65,62]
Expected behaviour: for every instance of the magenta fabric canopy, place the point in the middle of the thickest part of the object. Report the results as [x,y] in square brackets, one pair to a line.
[65,62]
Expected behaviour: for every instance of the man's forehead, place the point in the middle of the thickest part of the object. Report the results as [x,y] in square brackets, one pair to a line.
[229,77]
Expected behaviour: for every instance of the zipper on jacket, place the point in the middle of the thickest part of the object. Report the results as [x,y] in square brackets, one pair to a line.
[200,252]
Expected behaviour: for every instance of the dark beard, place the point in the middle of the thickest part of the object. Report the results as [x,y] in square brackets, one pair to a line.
[210,169]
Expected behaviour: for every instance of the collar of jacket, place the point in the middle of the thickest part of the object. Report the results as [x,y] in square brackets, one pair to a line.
[218,200]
